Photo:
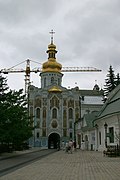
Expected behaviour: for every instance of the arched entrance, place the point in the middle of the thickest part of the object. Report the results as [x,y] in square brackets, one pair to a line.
[53,140]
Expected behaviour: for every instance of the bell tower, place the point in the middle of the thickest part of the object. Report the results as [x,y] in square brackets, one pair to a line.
[51,69]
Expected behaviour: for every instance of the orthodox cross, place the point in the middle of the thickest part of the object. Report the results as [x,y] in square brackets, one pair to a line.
[52,32]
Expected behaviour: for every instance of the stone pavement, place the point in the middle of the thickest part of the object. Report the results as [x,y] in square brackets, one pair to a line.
[81,165]
[17,153]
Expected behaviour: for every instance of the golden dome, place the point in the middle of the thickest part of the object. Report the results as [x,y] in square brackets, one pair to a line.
[55,89]
[51,65]
[50,46]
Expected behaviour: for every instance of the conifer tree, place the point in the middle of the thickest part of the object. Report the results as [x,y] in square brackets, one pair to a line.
[117,79]
[110,81]
[14,122]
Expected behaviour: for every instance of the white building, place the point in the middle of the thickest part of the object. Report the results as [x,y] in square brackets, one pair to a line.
[108,122]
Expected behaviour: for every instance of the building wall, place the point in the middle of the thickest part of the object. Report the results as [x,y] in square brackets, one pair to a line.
[55,112]
[112,122]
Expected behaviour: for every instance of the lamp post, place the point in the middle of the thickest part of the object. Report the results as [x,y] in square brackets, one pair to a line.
[105,126]
[74,131]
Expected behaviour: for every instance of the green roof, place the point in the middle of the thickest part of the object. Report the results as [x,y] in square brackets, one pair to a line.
[112,105]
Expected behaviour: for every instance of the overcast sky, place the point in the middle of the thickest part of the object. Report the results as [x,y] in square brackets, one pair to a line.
[87,34]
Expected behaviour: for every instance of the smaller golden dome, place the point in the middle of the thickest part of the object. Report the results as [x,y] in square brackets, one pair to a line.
[55,89]
[51,46]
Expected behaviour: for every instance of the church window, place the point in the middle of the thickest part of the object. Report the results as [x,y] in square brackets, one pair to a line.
[52,80]
[64,114]
[38,113]
[54,102]
[54,113]
[64,118]
[45,82]
[70,113]
[37,134]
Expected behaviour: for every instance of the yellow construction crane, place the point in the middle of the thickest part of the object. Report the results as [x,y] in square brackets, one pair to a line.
[28,70]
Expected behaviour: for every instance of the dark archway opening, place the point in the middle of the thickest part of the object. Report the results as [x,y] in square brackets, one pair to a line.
[53,141]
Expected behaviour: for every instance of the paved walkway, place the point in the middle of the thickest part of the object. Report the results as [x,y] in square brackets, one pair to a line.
[81,165]
[16,153]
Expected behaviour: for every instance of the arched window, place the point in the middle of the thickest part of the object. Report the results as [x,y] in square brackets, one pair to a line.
[54,113]
[70,113]
[45,82]
[52,80]
[44,113]
[38,135]
[37,113]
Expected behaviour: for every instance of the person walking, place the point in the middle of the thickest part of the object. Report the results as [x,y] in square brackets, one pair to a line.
[74,144]
[66,146]
[70,146]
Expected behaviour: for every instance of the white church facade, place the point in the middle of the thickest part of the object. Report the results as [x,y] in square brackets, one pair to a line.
[54,109]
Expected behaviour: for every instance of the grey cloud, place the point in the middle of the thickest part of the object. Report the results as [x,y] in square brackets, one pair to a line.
[14,12]
[87,33]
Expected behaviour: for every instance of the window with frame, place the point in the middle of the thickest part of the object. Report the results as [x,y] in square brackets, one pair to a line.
[38,113]
[38,135]
[111,134]
[54,113]
[70,113]
[52,80]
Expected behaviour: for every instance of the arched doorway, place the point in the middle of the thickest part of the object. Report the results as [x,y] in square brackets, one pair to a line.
[53,140]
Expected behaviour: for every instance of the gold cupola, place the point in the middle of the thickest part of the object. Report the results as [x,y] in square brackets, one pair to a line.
[51,65]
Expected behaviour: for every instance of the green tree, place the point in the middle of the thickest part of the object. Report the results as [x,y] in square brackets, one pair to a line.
[117,79]
[110,81]
[15,126]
